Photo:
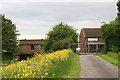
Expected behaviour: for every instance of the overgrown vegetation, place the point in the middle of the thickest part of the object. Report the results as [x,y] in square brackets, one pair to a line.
[111,57]
[59,64]
[59,37]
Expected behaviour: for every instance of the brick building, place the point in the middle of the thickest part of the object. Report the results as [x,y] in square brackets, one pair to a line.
[91,41]
[31,46]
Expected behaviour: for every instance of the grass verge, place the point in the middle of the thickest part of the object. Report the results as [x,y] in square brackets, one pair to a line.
[111,57]
[67,69]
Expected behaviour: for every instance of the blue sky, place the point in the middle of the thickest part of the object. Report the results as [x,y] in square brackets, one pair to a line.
[35,18]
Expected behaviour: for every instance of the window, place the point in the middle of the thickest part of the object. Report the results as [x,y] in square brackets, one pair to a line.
[36,46]
[32,46]
[92,48]
[92,39]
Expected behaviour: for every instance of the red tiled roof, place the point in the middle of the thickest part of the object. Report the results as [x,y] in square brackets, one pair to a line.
[92,32]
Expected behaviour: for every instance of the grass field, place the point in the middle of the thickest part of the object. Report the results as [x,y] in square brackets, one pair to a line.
[111,57]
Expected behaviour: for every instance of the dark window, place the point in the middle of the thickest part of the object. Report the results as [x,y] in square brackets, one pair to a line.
[36,46]
[32,46]
[41,46]
[100,46]
[92,48]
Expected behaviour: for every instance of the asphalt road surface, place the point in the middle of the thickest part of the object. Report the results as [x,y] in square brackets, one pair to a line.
[93,66]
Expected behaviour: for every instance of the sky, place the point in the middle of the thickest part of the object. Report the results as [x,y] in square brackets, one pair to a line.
[35,18]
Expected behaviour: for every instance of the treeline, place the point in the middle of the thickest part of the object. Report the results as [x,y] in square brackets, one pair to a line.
[111,33]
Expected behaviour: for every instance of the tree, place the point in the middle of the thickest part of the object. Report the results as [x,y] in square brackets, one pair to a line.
[9,36]
[111,33]
[118,5]
[59,37]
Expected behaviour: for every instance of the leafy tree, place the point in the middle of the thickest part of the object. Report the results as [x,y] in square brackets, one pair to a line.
[111,33]
[59,37]
[9,36]
[118,5]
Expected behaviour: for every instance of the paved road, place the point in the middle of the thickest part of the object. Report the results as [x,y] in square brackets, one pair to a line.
[95,67]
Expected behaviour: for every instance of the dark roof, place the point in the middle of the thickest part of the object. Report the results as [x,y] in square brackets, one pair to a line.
[92,32]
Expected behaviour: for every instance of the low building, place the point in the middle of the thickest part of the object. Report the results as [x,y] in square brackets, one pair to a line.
[91,41]
[31,46]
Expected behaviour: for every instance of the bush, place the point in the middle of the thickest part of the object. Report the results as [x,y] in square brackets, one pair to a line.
[6,59]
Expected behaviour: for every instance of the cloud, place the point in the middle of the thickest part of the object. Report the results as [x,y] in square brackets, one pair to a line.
[37,18]
[58,0]
[59,11]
